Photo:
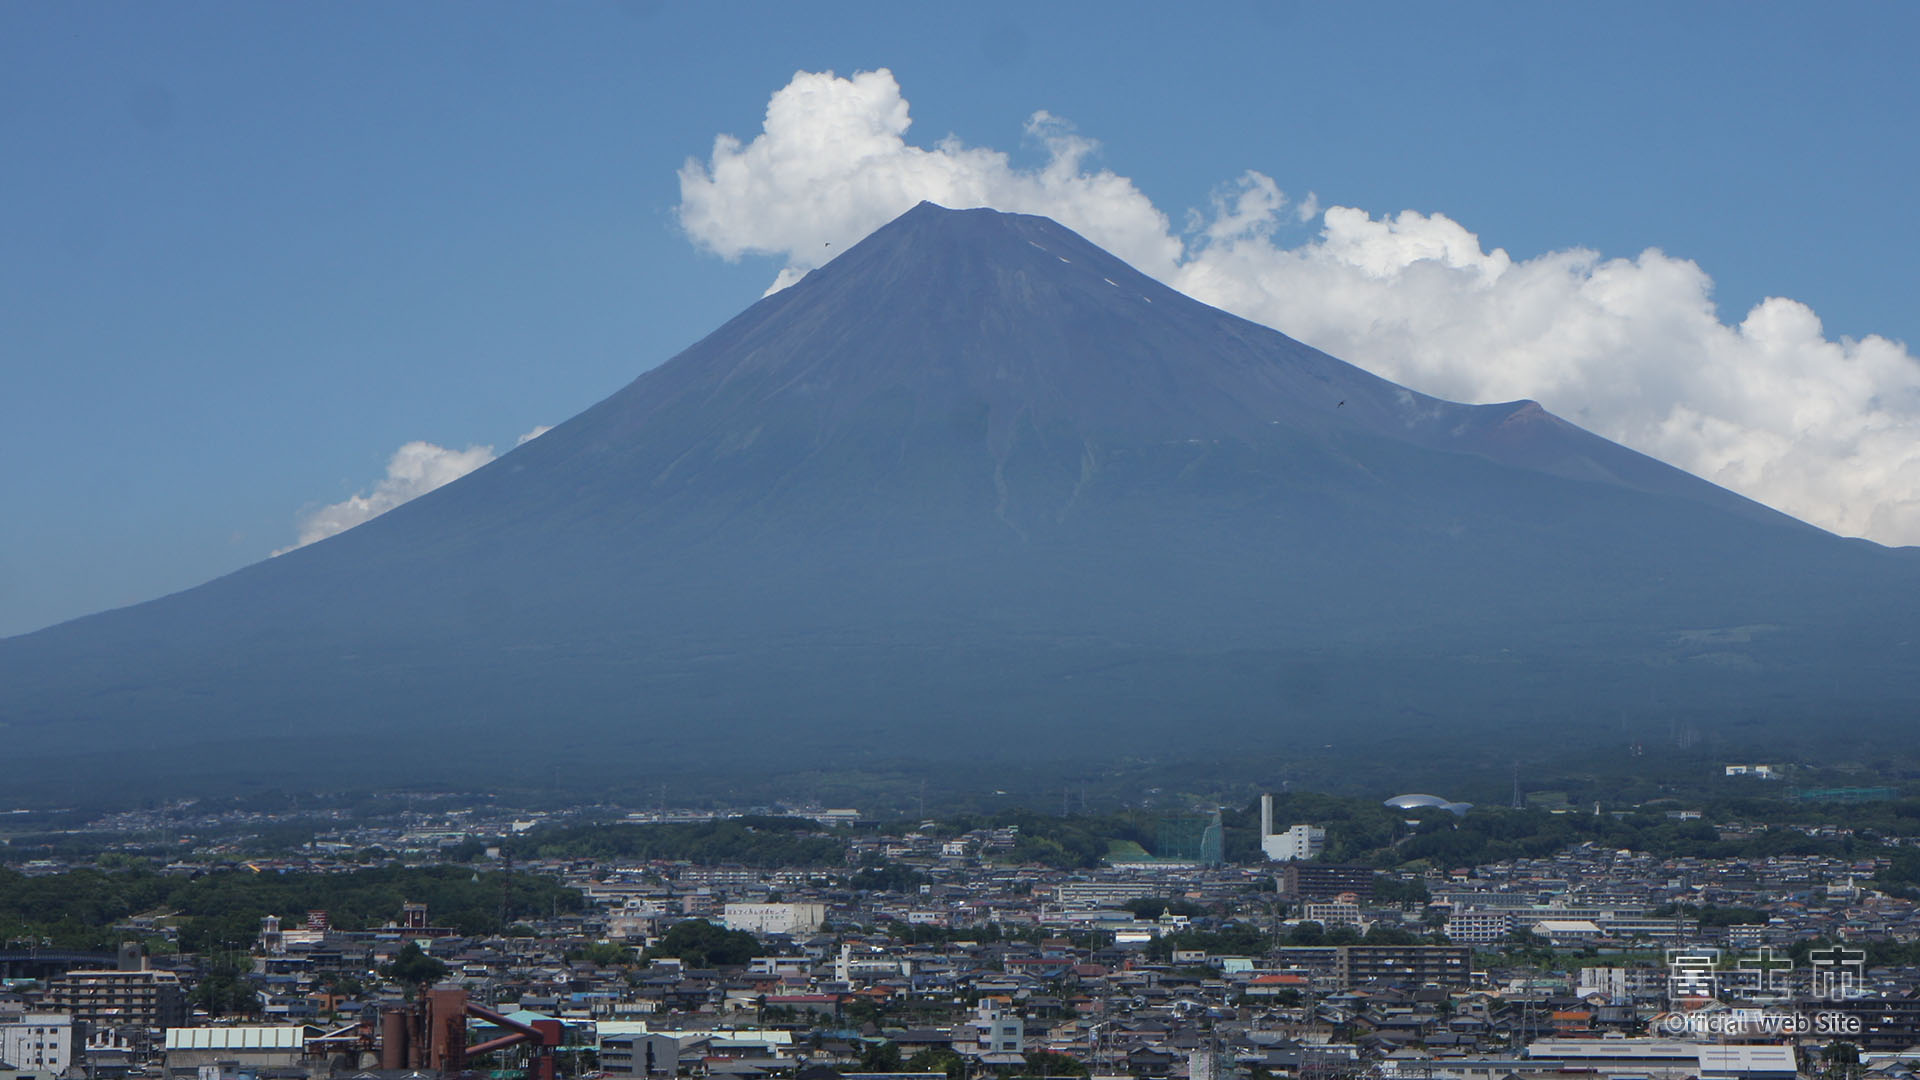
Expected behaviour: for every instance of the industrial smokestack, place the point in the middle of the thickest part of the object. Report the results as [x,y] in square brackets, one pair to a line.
[395,1024]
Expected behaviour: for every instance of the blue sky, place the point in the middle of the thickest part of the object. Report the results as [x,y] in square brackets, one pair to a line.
[253,250]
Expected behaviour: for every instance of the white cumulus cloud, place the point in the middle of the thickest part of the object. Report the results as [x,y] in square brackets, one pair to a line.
[833,164]
[415,469]
[1827,429]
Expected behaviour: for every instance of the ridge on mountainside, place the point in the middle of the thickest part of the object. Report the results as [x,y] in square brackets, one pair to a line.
[978,474]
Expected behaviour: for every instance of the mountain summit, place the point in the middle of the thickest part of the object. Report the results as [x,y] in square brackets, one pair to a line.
[977,490]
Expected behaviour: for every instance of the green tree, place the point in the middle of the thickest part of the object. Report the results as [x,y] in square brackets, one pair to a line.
[604,954]
[886,877]
[465,851]
[225,989]
[1307,933]
[938,1059]
[414,967]
[882,1056]
[1152,907]
[342,984]
[703,944]
[1048,1063]
[1391,889]
[1839,1061]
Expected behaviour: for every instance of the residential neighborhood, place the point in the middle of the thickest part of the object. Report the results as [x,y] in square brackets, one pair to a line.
[937,950]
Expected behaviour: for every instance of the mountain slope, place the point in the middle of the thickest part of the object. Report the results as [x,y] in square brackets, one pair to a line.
[976,475]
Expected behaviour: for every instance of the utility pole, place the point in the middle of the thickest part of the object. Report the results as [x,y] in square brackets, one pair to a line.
[506,887]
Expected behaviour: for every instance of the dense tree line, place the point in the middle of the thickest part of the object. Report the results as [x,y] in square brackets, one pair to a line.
[1880,952]
[1496,835]
[1152,907]
[1901,875]
[1072,842]
[749,841]
[222,909]
[1361,830]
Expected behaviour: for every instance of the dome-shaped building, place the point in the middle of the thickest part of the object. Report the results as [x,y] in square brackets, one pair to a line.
[1424,802]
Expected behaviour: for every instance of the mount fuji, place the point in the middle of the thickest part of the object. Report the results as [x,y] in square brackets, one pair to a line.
[977,491]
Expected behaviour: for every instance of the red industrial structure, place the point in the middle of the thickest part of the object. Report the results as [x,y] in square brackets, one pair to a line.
[433,1035]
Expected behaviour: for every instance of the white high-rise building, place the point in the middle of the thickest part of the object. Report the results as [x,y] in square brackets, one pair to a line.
[37,1042]
[998,1031]
[1299,842]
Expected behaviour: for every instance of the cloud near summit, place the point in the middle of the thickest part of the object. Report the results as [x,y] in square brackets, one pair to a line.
[1631,348]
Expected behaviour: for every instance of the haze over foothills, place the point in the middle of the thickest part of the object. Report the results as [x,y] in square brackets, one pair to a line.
[274,270]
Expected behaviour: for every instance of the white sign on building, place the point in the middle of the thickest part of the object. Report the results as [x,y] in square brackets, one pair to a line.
[775,918]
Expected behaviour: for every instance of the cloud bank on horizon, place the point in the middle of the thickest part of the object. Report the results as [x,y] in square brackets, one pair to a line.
[1631,348]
